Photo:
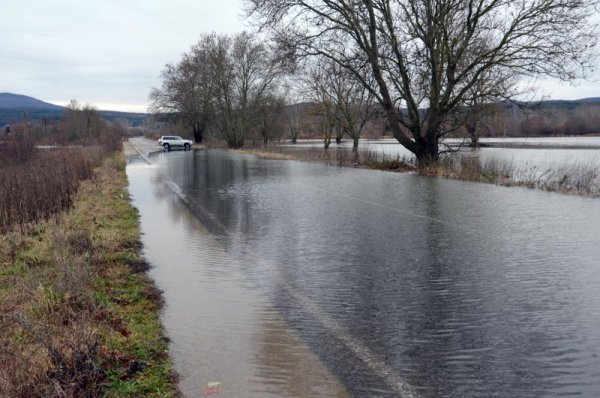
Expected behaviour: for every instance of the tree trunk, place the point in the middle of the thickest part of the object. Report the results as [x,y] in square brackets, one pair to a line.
[339,134]
[428,152]
[198,134]
[235,142]
[355,145]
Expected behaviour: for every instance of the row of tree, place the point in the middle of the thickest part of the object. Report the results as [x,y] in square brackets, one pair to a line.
[230,84]
[79,124]
[428,68]
[238,88]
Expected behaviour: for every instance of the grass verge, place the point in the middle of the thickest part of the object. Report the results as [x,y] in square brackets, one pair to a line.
[78,314]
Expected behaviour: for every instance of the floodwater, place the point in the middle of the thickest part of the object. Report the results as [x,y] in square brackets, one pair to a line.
[286,278]
[523,154]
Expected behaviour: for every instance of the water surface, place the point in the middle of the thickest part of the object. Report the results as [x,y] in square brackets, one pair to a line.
[292,278]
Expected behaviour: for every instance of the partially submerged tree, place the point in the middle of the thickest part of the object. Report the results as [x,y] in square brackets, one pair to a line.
[319,92]
[353,102]
[421,59]
[269,121]
[342,103]
[295,116]
[482,104]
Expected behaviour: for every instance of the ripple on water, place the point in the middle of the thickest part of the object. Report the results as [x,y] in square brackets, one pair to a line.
[388,283]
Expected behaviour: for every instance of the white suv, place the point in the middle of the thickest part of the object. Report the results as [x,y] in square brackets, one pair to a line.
[168,141]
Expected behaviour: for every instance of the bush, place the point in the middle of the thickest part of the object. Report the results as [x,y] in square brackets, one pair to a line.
[44,184]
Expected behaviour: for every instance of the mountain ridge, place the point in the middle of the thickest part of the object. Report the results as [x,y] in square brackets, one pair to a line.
[17,107]
[24,102]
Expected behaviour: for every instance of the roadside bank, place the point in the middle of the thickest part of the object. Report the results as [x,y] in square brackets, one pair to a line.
[78,313]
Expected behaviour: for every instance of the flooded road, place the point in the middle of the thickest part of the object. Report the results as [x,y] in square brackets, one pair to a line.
[285,278]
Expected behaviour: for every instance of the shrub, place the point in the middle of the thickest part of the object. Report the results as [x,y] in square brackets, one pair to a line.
[44,184]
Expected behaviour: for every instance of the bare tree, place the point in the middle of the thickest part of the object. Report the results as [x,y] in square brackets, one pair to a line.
[353,102]
[92,121]
[482,104]
[82,123]
[425,56]
[295,116]
[187,90]
[269,120]
[73,123]
[244,71]
[317,86]
[341,101]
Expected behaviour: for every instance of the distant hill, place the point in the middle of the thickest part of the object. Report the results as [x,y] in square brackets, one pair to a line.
[589,100]
[15,107]
[564,104]
[23,102]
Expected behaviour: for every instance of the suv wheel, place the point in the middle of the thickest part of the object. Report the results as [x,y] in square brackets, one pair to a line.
[167,147]
[186,147]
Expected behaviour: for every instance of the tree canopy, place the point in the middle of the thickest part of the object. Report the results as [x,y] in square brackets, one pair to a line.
[424,60]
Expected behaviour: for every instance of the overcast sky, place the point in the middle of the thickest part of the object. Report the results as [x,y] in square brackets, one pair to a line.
[109,53]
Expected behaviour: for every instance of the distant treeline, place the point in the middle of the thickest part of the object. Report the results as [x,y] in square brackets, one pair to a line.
[12,116]
[549,119]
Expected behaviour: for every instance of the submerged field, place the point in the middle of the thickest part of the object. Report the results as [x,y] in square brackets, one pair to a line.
[558,164]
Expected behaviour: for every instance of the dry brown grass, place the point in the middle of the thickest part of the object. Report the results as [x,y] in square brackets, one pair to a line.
[78,319]
[580,179]
[35,184]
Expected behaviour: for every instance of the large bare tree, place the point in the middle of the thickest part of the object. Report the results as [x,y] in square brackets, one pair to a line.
[340,99]
[353,103]
[319,90]
[425,56]
[224,82]
[245,73]
[187,90]
[295,120]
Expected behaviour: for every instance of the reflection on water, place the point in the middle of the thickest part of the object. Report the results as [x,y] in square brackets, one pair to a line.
[400,284]
[222,329]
